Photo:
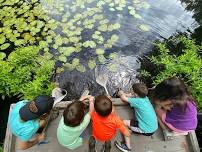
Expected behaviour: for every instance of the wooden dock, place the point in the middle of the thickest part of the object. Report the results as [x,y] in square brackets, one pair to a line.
[139,143]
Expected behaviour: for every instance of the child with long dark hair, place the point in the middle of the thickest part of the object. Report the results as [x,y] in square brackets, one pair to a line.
[175,107]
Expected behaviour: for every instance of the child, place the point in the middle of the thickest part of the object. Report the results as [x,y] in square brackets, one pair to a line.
[73,123]
[24,120]
[104,124]
[146,123]
[175,108]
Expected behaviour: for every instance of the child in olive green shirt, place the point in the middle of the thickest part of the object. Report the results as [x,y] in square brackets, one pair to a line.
[73,123]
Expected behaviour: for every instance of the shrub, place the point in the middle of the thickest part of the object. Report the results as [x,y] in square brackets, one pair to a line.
[1,149]
[25,73]
[187,64]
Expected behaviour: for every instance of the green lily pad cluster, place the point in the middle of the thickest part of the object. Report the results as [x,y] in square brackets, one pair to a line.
[59,25]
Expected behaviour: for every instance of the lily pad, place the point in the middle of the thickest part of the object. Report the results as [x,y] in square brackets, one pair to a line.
[91,64]
[2,39]
[91,44]
[59,70]
[69,66]
[75,62]
[80,68]
[4,46]
[100,51]
[144,27]
[101,59]
[137,16]
[62,58]
[47,55]
[2,55]
[20,42]
[112,67]
[113,56]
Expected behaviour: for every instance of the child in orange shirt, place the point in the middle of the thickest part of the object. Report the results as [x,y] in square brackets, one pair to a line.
[105,123]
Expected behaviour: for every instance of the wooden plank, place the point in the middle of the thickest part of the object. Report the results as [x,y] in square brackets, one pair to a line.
[115,101]
[9,137]
[193,141]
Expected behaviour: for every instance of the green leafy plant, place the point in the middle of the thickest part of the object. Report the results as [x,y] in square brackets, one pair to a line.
[187,65]
[1,149]
[26,73]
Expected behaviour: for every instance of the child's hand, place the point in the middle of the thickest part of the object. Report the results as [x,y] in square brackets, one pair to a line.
[91,99]
[120,93]
[109,97]
[41,136]
[83,98]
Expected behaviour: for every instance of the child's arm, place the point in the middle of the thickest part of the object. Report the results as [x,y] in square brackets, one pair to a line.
[84,98]
[23,145]
[123,96]
[90,100]
[91,104]
[166,105]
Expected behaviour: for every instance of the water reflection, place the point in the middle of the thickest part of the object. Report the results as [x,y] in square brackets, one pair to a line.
[195,7]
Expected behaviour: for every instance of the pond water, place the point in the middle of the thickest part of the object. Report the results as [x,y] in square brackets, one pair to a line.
[89,37]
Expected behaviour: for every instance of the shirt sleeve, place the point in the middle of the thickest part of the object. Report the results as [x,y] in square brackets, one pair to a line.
[134,102]
[120,125]
[86,121]
[35,128]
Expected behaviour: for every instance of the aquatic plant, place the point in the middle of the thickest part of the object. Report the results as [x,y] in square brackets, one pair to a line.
[25,73]
[187,65]
[59,25]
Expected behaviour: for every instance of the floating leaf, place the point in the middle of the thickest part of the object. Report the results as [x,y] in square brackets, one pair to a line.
[144,27]
[49,39]
[112,9]
[112,67]
[119,8]
[68,66]
[91,44]
[113,56]
[4,46]
[102,27]
[101,58]
[75,62]
[100,3]
[80,68]
[55,46]
[2,39]
[2,55]
[100,51]
[114,38]
[43,44]
[59,70]
[91,64]
[47,55]
[62,58]
[145,5]
[137,16]
[58,40]
[105,21]
[40,24]
[69,50]
[132,12]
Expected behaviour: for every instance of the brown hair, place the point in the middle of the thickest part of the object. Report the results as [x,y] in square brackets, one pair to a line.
[173,89]
[103,105]
[140,89]
[74,114]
